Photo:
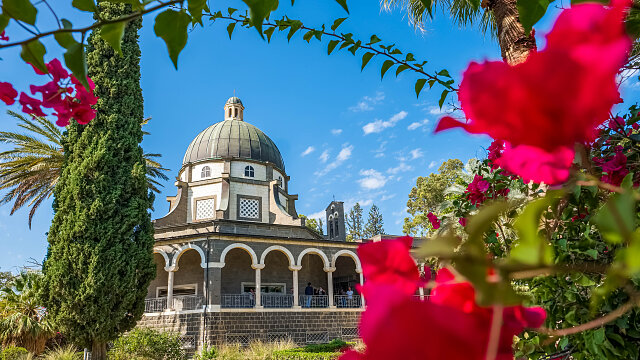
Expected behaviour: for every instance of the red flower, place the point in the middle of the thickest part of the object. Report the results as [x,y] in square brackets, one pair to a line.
[435,223]
[83,113]
[389,262]
[477,189]
[462,221]
[495,152]
[51,93]
[616,123]
[30,105]
[4,37]
[450,326]
[7,93]
[556,98]
[614,167]
[57,70]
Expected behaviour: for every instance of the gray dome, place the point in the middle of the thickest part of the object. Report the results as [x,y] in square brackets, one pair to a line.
[233,100]
[233,139]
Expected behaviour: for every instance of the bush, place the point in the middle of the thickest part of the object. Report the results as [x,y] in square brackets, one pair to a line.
[62,353]
[147,344]
[207,353]
[14,353]
[334,345]
[301,354]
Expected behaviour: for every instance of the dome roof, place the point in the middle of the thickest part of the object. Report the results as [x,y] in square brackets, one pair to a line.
[235,139]
[234,100]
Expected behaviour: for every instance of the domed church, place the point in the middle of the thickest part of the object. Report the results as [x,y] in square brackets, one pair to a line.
[234,262]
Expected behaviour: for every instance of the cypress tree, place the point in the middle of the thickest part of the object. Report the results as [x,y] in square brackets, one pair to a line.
[355,223]
[100,257]
[375,224]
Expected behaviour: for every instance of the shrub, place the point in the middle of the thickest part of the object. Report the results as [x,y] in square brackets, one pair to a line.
[334,345]
[207,353]
[301,354]
[62,353]
[147,344]
[14,353]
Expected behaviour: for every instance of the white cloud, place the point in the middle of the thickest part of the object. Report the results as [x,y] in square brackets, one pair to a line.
[336,131]
[343,155]
[308,151]
[432,164]
[436,110]
[387,197]
[366,202]
[415,125]
[402,167]
[317,215]
[372,179]
[416,153]
[379,125]
[367,102]
[324,156]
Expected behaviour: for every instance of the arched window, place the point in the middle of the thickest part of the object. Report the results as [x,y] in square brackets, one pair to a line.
[336,222]
[236,112]
[229,112]
[206,172]
[248,171]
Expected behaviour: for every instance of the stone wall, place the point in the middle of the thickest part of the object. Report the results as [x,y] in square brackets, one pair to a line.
[302,327]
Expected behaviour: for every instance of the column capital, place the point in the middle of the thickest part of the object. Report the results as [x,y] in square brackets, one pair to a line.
[295,268]
[257,266]
[329,269]
[172,268]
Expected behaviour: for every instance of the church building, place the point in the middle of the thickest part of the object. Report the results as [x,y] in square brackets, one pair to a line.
[235,263]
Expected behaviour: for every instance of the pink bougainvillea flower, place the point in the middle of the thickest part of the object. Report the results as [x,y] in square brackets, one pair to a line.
[30,105]
[449,326]
[476,190]
[615,168]
[83,114]
[435,223]
[462,221]
[57,70]
[389,261]
[495,152]
[557,97]
[51,93]
[7,93]
[3,37]
[616,123]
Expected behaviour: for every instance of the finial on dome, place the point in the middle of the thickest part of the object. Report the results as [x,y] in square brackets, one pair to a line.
[233,108]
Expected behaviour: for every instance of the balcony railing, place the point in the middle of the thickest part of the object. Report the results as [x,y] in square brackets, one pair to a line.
[237,301]
[347,301]
[421,297]
[276,300]
[188,302]
[314,301]
[155,305]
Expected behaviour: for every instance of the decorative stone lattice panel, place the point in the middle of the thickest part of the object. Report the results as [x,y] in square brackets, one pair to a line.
[249,208]
[188,341]
[242,339]
[205,209]
[273,337]
[317,337]
[349,332]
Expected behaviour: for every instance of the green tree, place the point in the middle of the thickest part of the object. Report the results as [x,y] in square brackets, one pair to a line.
[428,195]
[355,224]
[375,223]
[22,320]
[31,169]
[100,261]
[313,224]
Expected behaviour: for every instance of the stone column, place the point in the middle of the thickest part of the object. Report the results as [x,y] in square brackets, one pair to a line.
[213,283]
[171,270]
[329,271]
[296,296]
[258,267]
[361,283]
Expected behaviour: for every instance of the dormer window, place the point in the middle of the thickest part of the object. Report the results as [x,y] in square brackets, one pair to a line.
[206,172]
[248,171]
[281,182]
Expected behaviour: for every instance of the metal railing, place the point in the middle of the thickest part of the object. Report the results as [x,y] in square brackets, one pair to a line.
[421,297]
[237,301]
[276,300]
[155,305]
[314,301]
[188,302]
[347,301]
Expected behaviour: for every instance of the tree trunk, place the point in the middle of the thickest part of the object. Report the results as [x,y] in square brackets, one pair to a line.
[98,350]
[514,42]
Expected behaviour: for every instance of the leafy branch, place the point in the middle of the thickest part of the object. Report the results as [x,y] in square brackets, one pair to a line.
[372,48]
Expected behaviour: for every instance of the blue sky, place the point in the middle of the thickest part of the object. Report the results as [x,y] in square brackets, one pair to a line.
[341,132]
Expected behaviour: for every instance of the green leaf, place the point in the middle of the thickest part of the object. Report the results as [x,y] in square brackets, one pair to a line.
[374,39]
[112,34]
[585,281]
[84,5]
[76,61]
[331,46]
[401,68]
[419,85]
[531,248]
[292,30]
[307,36]
[33,53]
[427,6]
[232,26]
[444,245]
[260,10]
[195,8]
[343,3]
[531,11]
[444,72]
[616,218]
[443,97]
[231,11]
[409,58]
[593,253]
[365,59]
[337,22]
[64,39]
[269,33]
[385,66]
[172,26]
[21,10]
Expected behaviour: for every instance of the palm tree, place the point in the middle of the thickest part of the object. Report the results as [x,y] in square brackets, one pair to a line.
[500,17]
[23,321]
[31,169]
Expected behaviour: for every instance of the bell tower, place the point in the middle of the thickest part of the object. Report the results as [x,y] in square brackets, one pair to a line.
[335,221]
[233,109]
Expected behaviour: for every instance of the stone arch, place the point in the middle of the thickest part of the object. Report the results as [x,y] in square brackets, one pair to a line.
[349,253]
[282,249]
[167,262]
[247,248]
[316,251]
[190,246]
